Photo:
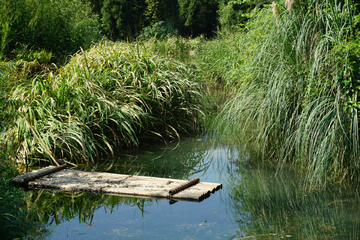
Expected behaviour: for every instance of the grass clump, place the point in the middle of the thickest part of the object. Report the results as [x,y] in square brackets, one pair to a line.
[291,105]
[13,222]
[111,96]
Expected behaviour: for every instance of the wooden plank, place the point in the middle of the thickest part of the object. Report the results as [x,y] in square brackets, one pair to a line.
[184,186]
[23,179]
[121,184]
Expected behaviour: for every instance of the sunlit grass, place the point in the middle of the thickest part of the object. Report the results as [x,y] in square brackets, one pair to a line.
[289,106]
[106,98]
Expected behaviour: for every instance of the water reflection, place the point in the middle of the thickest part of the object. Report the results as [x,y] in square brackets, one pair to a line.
[176,160]
[267,205]
[255,202]
[191,158]
[56,207]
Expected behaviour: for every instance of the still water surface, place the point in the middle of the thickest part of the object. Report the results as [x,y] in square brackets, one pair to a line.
[255,202]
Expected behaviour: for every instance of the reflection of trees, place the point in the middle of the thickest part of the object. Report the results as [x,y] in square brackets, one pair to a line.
[270,207]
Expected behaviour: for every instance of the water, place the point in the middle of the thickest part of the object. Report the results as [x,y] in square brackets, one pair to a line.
[255,202]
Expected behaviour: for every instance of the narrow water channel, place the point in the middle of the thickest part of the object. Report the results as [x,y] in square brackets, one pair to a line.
[255,202]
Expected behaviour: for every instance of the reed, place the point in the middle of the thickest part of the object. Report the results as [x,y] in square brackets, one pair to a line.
[106,98]
[290,105]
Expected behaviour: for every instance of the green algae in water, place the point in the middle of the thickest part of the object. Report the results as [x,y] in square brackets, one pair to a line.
[255,202]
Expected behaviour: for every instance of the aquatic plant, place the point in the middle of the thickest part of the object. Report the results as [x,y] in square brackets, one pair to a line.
[291,103]
[106,98]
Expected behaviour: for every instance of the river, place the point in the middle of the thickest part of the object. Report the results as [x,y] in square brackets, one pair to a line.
[256,201]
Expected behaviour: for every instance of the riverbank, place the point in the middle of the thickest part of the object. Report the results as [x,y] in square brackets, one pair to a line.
[111,97]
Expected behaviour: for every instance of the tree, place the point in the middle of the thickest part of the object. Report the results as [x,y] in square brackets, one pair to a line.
[96,6]
[232,13]
[162,10]
[199,16]
[58,26]
[123,18]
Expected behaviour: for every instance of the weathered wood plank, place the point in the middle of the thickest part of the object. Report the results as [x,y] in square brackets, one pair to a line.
[111,183]
[22,179]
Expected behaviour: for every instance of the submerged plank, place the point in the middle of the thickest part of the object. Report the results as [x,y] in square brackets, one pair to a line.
[121,184]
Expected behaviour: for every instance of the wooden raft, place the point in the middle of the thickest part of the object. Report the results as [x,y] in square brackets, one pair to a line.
[118,184]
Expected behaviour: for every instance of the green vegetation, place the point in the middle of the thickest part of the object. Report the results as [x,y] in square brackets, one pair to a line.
[59,26]
[285,76]
[13,222]
[105,98]
[297,97]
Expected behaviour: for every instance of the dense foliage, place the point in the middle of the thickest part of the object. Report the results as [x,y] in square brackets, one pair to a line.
[62,27]
[13,222]
[59,26]
[297,80]
[105,98]
[290,70]
[123,18]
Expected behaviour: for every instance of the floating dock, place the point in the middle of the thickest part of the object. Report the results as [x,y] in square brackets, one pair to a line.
[117,184]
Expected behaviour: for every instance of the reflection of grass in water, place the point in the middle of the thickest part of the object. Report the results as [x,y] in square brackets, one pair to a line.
[264,203]
[57,207]
[179,161]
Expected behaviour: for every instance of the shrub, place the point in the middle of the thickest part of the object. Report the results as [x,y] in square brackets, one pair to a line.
[234,13]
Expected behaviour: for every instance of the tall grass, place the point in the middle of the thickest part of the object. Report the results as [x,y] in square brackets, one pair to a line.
[220,60]
[177,47]
[13,223]
[290,106]
[106,98]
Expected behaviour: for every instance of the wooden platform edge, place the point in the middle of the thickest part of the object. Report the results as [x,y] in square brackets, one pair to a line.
[25,178]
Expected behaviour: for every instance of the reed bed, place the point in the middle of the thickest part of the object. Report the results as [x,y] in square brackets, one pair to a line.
[291,106]
[104,99]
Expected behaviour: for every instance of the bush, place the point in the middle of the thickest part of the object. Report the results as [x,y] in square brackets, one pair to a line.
[233,14]
[347,56]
